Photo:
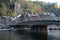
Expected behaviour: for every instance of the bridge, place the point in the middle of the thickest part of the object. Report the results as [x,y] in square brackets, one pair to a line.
[36,25]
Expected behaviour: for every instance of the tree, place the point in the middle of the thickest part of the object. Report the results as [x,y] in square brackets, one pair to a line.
[3,9]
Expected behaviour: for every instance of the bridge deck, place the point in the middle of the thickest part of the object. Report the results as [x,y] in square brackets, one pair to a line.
[40,22]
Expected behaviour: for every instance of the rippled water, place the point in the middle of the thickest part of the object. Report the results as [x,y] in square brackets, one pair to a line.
[11,35]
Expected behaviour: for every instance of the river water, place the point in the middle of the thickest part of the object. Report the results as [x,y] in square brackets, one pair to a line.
[18,35]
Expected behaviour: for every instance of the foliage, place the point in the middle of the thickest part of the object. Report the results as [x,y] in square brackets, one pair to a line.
[3,9]
[30,7]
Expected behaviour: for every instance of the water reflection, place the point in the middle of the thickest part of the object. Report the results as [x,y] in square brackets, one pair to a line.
[22,35]
[38,36]
[54,35]
[19,35]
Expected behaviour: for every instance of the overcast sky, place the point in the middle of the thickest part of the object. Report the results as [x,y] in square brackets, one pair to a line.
[52,1]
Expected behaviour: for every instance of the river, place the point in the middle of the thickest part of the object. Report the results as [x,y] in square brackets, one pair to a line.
[18,35]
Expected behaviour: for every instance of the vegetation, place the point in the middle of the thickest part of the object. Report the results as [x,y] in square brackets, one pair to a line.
[3,9]
[29,6]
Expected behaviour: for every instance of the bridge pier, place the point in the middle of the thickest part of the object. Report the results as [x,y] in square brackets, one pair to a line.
[39,31]
[38,28]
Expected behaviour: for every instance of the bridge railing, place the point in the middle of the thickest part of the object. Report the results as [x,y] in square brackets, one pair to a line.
[33,18]
[40,18]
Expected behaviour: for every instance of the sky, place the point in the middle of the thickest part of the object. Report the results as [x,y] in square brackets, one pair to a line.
[52,1]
